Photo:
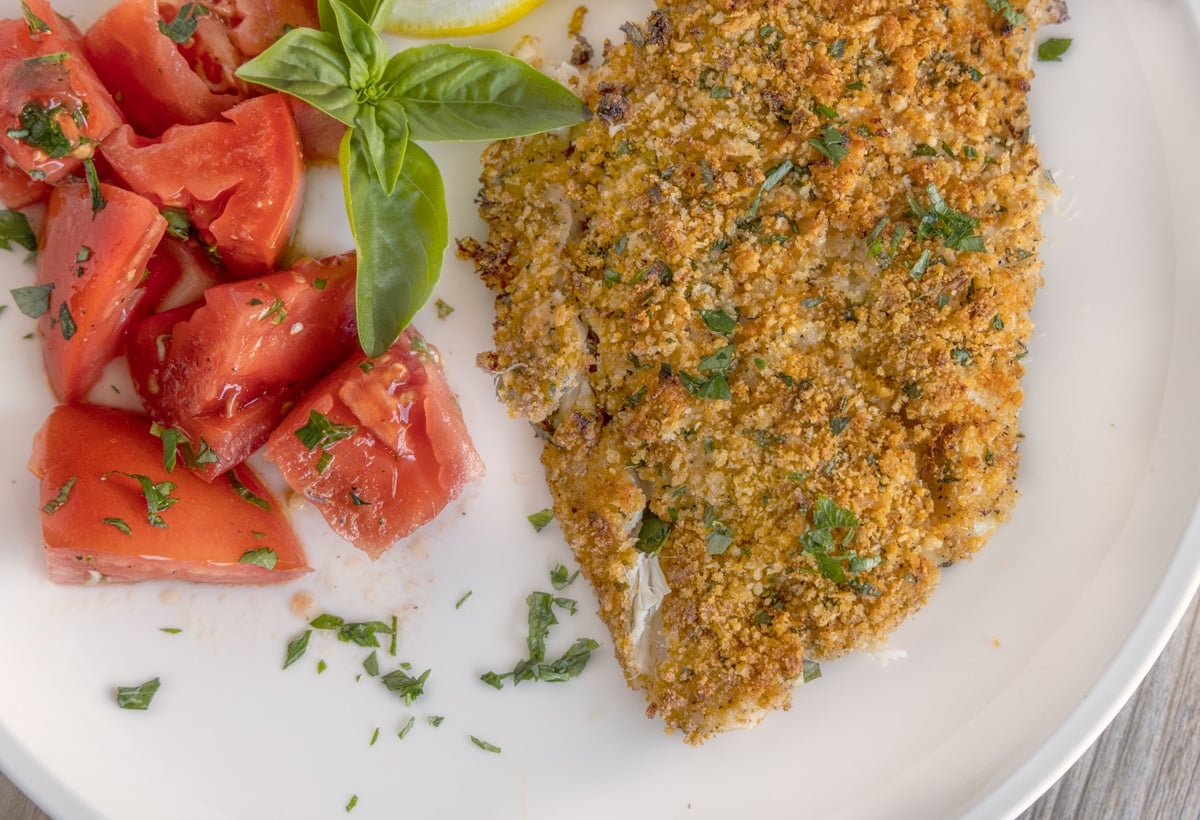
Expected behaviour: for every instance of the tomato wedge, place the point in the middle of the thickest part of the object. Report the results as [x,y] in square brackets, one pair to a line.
[112,512]
[53,107]
[17,188]
[94,265]
[240,180]
[379,446]
[225,373]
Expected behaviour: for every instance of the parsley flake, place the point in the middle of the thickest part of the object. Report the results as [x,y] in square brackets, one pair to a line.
[181,29]
[64,492]
[541,519]
[1053,49]
[14,227]
[262,557]
[137,697]
[34,300]
[296,649]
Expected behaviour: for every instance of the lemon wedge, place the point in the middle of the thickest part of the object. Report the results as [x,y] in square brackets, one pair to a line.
[453,18]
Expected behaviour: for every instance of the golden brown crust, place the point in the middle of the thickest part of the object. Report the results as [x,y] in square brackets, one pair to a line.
[889,390]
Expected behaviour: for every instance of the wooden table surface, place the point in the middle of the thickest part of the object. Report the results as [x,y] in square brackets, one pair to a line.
[1145,765]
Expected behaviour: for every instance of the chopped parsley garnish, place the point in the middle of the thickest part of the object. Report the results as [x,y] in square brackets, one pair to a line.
[137,697]
[960,355]
[1053,49]
[41,130]
[541,519]
[407,727]
[157,495]
[93,181]
[997,322]
[66,322]
[719,537]
[405,686]
[262,557]
[812,671]
[541,618]
[561,577]
[833,530]
[435,720]
[921,265]
[714,387]
[33,300]
[838,424]
[462,599]
[837,48]
[371,664]
[443,309]
[178,224]
[352,802]
[245,493]
[64,493]
[170,630]
[319,431]
[14,227]
[483,744]
[120,524]
[1006,10]
[653,534]
[773,178]
[181,29]
[374,736]
[36,24]
[832,143]
[296,648]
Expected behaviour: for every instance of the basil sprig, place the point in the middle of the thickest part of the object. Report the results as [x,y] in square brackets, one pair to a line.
[395,197]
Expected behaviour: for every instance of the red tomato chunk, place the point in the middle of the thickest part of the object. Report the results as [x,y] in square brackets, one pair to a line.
[226,372]
[53,108]
[94,264]
[240,179]
[111,511]
[379,446]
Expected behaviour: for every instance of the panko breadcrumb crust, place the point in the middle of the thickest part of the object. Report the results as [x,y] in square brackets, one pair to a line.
[769,162]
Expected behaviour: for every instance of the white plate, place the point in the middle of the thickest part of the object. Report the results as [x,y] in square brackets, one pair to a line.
[1019,660]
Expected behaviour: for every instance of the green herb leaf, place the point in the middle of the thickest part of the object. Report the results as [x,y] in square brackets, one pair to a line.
[406,687]
[541,618]
[33,300]
[719,321]
[493,679]
[40,129]
[245,493]
[120,524]
[14,227]
[812,671]
[396,269]
[170,630]
[939,219]
[351,803]
[371,664]
[36,24]
[717,362]
[715,387]
[541,519]
[570,664]
[462,599]
[66,322]
[483,744]
[326,621]
[178,223]
[653,534]
[461,93]
[561,577]
[157,495]
[310,65]
[443,309]
[832,143]
[137,697]
[93,181]
[406,728]
[296,648]
[64,493]
[319,431]
[383,131]
[181,29]
[362,634]
[366,53]
[262,557]
[435,720]
[1052,50]
[1010,14]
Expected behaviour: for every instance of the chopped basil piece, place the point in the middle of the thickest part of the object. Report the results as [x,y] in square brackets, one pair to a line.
[1052,49]
[371,664]
[997,322]
[837,48]
[1006,10]
[158,496]
[320,284]
[960,355]
[719,539]
[352,802]
[362,634]
[443,309]
[178,224]
[64,492]
[14,227]
[296,649]
[653,534]
[483,744]
[838,424]
[462,600]
[36,24]
[773,178]
[561,577]
[833,528]
[66,323]
[717,362]
[319,431]
[120,524]
[921,265]
[939,219]
[262,557]
[326,621]
[93,181]
[406,687]
[170,630]
[137,697]
[812,671]
[245,493]
[492,679]
[406,728]
[395,636]
[323,462]
[832,143]
[33,300]
[321,666]
[41,130]
[181,29]
[719,321]
[541,618]
[435,720]
[541,519]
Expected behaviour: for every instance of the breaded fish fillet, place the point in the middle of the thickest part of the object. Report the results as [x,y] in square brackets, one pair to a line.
[769,308]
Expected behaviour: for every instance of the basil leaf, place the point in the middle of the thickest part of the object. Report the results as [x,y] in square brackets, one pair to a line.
[137,697]
[460,93]
[33,300]
[1052,49]
[296,648]
[397,268]
[310,65]
[14,227]
[366,53]
[375,12]
[181,29]
[262,557]
[382,132]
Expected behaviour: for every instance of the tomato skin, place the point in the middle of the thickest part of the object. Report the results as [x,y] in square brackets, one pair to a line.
[17,188]
[408,456]
[146,71]
[34,71]
[240,179]
[207,530]
[227,371]
[95,263]
[320,134]
[253,25]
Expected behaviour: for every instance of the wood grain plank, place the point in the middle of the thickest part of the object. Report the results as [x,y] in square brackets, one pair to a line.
[1146,764]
